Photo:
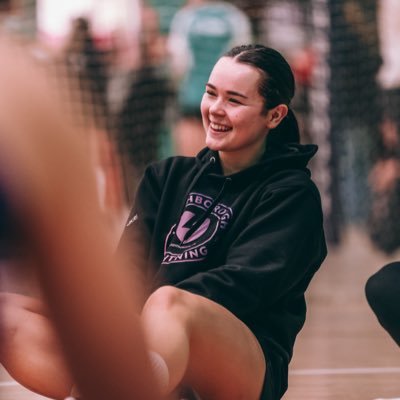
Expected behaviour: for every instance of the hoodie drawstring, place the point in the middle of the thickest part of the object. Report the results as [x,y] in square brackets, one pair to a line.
[195,179]
[209,210]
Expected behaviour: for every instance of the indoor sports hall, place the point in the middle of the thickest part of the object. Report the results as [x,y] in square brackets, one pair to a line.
[92,92]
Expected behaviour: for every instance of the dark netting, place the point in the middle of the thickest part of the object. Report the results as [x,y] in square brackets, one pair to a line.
[342,103]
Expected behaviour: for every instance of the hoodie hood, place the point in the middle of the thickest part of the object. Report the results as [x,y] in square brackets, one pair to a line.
[289,156]
[276,158]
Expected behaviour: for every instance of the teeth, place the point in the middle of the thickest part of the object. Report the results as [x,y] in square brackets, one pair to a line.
[217,127]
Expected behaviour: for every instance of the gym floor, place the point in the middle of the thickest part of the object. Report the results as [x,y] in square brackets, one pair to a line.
[342,353]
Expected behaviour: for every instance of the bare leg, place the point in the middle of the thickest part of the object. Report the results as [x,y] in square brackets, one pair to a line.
[203,345]
[55,204]
[30,350]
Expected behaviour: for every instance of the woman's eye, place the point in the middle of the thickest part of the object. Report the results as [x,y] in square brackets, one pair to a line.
[210,93]
[236,101]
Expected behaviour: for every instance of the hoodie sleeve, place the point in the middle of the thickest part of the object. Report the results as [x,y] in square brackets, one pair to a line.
[277,251]
[136,237]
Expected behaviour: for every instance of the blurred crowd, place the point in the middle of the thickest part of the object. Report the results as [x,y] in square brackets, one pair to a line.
[145,106]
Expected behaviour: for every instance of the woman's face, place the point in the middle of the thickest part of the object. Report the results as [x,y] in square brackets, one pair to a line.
[232,114]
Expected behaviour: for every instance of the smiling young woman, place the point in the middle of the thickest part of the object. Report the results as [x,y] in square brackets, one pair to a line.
[232,237]
[228,241]
[234,115]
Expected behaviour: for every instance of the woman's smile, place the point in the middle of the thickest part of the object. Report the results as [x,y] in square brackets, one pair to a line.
[219,128]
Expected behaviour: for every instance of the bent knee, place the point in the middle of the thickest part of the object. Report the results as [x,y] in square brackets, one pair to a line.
[167,299]
[22,302]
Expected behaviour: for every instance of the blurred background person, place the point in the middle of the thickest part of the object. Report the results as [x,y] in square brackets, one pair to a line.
[342,109]
[382,288]
[86,62]
[286,25]
[356,110]
[141,119]
[385,175]
[200,32]
[82,64]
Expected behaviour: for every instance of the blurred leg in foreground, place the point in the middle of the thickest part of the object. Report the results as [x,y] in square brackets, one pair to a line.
[90,318]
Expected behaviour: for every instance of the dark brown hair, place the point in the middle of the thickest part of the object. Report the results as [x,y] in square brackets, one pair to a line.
[276,87]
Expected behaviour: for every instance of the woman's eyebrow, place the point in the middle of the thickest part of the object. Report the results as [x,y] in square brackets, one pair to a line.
[231,92]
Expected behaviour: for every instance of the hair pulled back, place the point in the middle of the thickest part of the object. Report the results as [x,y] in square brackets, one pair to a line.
[277,86]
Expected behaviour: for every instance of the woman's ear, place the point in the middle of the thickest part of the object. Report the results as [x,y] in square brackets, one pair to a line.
[275,115]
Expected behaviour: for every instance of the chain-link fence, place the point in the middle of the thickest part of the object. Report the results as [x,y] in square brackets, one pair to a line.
[343,53]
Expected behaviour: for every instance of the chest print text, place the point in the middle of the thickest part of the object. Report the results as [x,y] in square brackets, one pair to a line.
[178,247]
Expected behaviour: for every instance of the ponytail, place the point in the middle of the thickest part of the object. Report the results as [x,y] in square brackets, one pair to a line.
[286,132]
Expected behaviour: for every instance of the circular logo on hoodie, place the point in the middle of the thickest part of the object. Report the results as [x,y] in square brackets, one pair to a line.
[198,227]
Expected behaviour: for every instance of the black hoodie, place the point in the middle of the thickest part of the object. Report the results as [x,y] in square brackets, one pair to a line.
[250,241]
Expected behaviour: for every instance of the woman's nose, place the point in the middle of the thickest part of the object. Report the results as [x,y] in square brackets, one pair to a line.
[217,107]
